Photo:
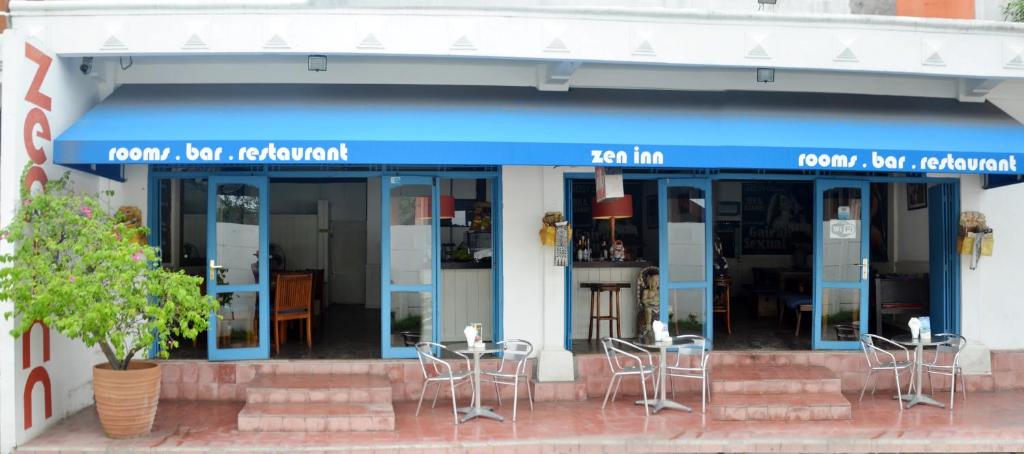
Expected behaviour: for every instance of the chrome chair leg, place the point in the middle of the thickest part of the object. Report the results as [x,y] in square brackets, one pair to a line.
[899,390]
[436,392]
[423,391]
[515,398]
[607,393]
[867,378]
[643,387]
[455,407]
[497,392]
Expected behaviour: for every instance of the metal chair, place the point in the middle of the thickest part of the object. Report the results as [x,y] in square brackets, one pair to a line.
[511,369]
[880,359]
[953,344]
[624,363]
[698,346]
[438,371]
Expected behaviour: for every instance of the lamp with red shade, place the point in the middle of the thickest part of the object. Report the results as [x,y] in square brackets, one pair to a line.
[612,209]
[423,207]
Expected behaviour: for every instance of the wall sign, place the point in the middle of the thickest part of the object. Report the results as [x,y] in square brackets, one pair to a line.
[840,229]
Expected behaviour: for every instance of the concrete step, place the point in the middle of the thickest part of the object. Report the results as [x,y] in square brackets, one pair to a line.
[316,417]
[774,380]
[780,407]
[319,388]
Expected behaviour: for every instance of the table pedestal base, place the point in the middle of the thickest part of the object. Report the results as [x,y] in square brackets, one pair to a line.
[914,399]
[482,412]
[469,409]
[665,404]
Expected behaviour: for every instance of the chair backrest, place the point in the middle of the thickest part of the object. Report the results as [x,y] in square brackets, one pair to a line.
[429,362]
[874,345]
[698,345]
[293,291]
[615,353]
[514,352]
[952,344]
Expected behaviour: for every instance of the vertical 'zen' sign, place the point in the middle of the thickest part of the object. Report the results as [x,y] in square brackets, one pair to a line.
[37,126]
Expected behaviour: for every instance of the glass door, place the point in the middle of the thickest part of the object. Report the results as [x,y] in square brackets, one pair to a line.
[410,241]
[841,263]
[684,262]
[237,269]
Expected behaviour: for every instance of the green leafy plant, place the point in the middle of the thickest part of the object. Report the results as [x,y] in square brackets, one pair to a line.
[85,273]
[688,326]
[1014,11]
[407,323]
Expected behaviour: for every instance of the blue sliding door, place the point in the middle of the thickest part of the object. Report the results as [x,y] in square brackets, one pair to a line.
[684,214]
[237,269]
[841,263]
[410,269]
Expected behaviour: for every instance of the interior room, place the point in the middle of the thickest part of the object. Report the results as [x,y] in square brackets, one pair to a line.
[594,261]
[327,232]
[766,237]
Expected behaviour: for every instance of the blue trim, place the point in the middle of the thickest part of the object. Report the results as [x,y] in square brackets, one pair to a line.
[153,222]
[497,278]
[389,182]
[664,261]
[567,203]
[214,352]
[820,186]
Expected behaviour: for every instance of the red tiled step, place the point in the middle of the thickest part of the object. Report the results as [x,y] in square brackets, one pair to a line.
[774,380]
[319,388]
[316,417]
[780,407]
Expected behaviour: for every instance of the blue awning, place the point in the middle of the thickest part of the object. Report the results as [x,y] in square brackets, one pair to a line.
[413,125]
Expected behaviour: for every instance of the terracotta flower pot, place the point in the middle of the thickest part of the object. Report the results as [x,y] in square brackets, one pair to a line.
[126,400]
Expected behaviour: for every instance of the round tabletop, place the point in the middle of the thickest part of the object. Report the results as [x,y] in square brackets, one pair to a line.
[905,339]
[674,343]
[485,349]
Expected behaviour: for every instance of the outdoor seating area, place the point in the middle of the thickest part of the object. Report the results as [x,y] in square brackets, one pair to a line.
[443,366]
[989,422]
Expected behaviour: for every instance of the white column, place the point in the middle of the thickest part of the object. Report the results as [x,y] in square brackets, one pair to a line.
[534,289]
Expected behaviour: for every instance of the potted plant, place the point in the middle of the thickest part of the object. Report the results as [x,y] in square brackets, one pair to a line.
[89,275]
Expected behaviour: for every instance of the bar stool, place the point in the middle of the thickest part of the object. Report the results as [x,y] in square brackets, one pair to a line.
[614,310]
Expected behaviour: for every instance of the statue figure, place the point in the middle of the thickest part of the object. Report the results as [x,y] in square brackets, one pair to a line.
[648,296]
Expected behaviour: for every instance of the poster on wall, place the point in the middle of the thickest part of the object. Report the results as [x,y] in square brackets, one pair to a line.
[776,217]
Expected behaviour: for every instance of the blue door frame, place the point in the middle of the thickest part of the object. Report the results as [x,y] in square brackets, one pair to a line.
[952,185]
[664,259]
[493,178]
[387,287]
[863,230]
[262,351]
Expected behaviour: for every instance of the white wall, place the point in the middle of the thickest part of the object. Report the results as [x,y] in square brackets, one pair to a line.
[70,365]
[910,234]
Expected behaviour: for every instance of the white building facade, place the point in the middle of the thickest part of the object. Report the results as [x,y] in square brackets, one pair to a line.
[63,58]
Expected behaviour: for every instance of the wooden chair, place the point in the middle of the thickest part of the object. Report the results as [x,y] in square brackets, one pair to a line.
[293,298]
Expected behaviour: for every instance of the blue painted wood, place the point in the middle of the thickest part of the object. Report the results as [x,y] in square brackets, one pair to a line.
[389,183]
[822,185]
[262,351]
[944,259]
[664,261]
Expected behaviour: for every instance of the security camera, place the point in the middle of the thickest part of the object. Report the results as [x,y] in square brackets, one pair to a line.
[86,65]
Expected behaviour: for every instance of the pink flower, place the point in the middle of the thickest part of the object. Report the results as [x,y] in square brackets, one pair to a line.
[138,255]
[4,235]
[71,279]
[87,212]
[27,202]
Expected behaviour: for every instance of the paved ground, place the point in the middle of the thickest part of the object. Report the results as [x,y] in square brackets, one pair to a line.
[987,422]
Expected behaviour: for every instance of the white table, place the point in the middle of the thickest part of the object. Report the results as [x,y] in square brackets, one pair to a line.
[477,410]
[919,344]
[661,402]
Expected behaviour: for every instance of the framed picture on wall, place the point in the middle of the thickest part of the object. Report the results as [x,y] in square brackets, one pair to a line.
[917,196]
